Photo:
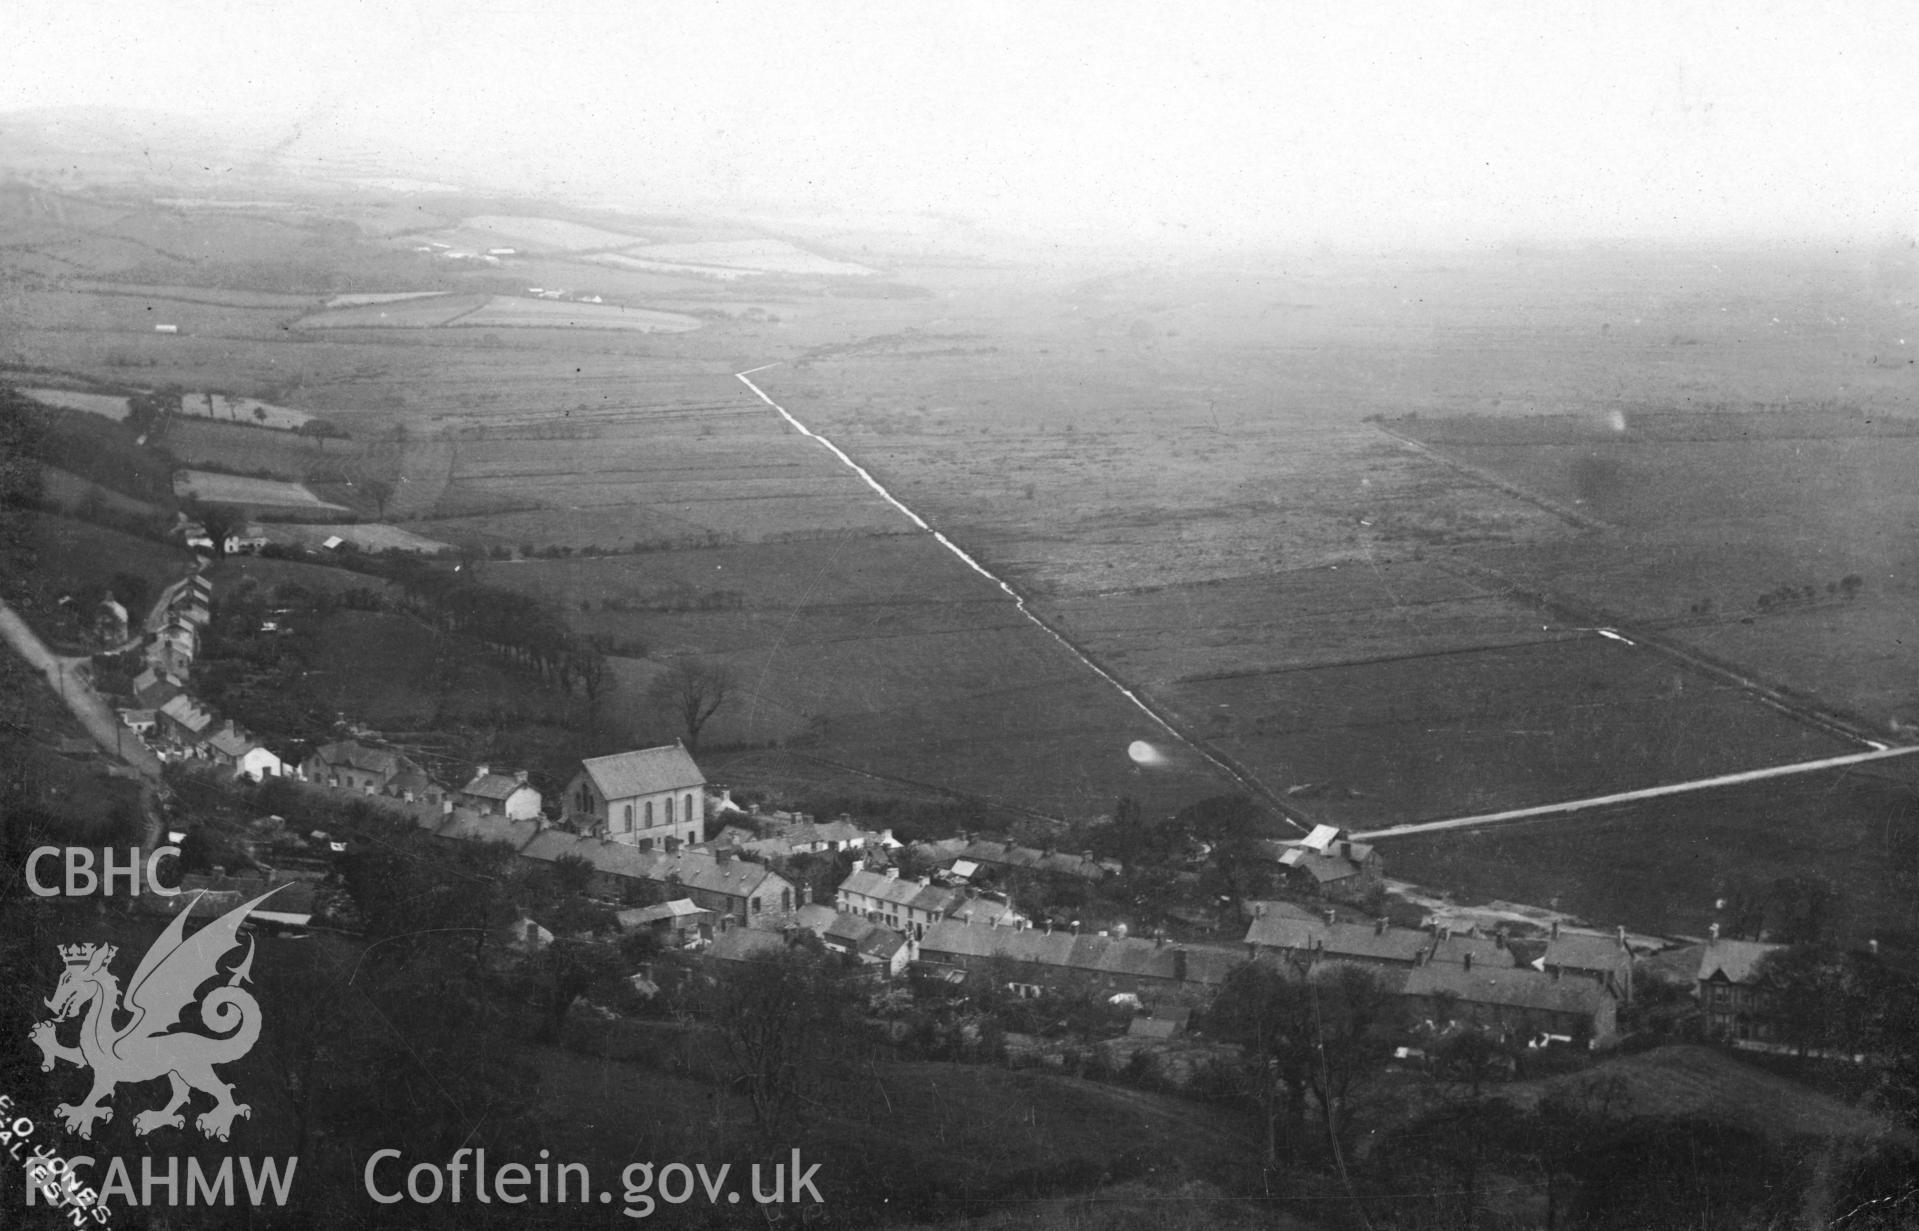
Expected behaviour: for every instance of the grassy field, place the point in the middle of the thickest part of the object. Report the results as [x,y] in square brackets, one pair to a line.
[1480,730]
[1719,513]
[933,1140]
[510,312]
[289,456]
[1659,866]
[107,405]
[754,255]
[237,489]
[1700,1082]
[407,312]
[882,653]
[1164,635]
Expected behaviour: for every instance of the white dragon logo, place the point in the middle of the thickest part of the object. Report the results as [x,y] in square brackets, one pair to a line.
[147,1045]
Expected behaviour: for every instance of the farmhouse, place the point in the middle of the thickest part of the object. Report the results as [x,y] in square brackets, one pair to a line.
[353,766]
[233,749]
[646,798]
[1736,1007]
[500,795]
[1031,960]
[1327,863]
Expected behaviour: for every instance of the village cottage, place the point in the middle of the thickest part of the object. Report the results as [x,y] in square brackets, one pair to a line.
[506,795]
[1030,960]
[912,905]
[1519,1001]
[652,797]
[748,893]
[351,765]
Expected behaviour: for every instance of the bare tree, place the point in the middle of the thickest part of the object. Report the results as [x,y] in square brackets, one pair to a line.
[693,690]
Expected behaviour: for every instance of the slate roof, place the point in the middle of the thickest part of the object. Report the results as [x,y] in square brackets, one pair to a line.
[229,742]
[1735,961]
[1584,951]
[1484,949]
[1136,956]
[902,891]
[183,711]
[864,937]
[816,917]
[410,778]
[647,771]
[985,910]
[743,944]
[1337,940]
[353,754]
[693,869]
[1516,987]
[493,786]
[641,916]
[465,826]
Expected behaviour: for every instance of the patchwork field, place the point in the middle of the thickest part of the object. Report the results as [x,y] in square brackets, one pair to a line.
[881,653]
[1773,541]
[750,255]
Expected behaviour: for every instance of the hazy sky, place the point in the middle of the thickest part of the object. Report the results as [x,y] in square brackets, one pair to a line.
[1424,121]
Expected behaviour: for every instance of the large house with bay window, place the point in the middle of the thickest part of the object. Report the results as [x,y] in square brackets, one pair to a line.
[652,798]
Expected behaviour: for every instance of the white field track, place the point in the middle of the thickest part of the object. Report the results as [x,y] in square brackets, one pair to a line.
[1233,772]
[1653,792]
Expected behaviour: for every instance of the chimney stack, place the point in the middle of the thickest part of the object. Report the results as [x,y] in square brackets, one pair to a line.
[1379,927]
[1712,934]
[1331,916]
[1622,936]
[1872,947]
[480,771]
[1179,964]
[892,873]
[1466,960]
[1555,934]
[1076,927]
